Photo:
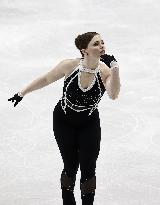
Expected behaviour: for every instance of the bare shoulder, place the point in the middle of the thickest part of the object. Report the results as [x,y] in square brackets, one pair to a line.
[59,71]
[70,65]
[71,62]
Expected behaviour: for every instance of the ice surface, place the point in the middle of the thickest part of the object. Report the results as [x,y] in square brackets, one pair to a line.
[34,37]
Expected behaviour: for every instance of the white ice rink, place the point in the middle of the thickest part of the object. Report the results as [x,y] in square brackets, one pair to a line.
[34,37]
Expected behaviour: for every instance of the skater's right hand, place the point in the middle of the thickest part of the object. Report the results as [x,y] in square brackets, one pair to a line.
[17,98]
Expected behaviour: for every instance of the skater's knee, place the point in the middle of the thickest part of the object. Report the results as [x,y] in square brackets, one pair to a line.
[67,182]
[88,186]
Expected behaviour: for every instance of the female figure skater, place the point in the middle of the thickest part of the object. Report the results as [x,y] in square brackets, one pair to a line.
[76,123]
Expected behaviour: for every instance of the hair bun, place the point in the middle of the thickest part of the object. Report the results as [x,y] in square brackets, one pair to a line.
[82,40]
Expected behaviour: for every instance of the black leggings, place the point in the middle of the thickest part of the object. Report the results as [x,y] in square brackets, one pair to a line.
[78,137]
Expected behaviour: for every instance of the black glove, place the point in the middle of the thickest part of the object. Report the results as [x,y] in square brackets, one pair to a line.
[17,98]
[107,59]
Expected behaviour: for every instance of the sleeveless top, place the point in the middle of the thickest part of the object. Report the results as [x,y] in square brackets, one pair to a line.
[78,98]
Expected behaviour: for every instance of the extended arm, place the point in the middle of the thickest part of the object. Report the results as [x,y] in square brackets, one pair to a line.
[50,77]
[34,85]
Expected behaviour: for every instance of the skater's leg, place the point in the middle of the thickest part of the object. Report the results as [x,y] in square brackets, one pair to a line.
[66,140]
[89,142]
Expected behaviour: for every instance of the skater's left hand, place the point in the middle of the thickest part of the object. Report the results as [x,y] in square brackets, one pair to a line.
[110,61]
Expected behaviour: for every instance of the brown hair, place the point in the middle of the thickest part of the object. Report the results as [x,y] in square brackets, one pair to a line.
[82,41]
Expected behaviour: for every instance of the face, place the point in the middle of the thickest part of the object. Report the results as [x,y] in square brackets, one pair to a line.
[96,46]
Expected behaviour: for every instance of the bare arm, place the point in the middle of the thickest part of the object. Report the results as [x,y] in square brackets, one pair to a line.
[34,85]
[113,82]
[50,77]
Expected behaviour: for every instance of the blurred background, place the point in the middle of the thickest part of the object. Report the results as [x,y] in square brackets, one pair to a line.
[37,35]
